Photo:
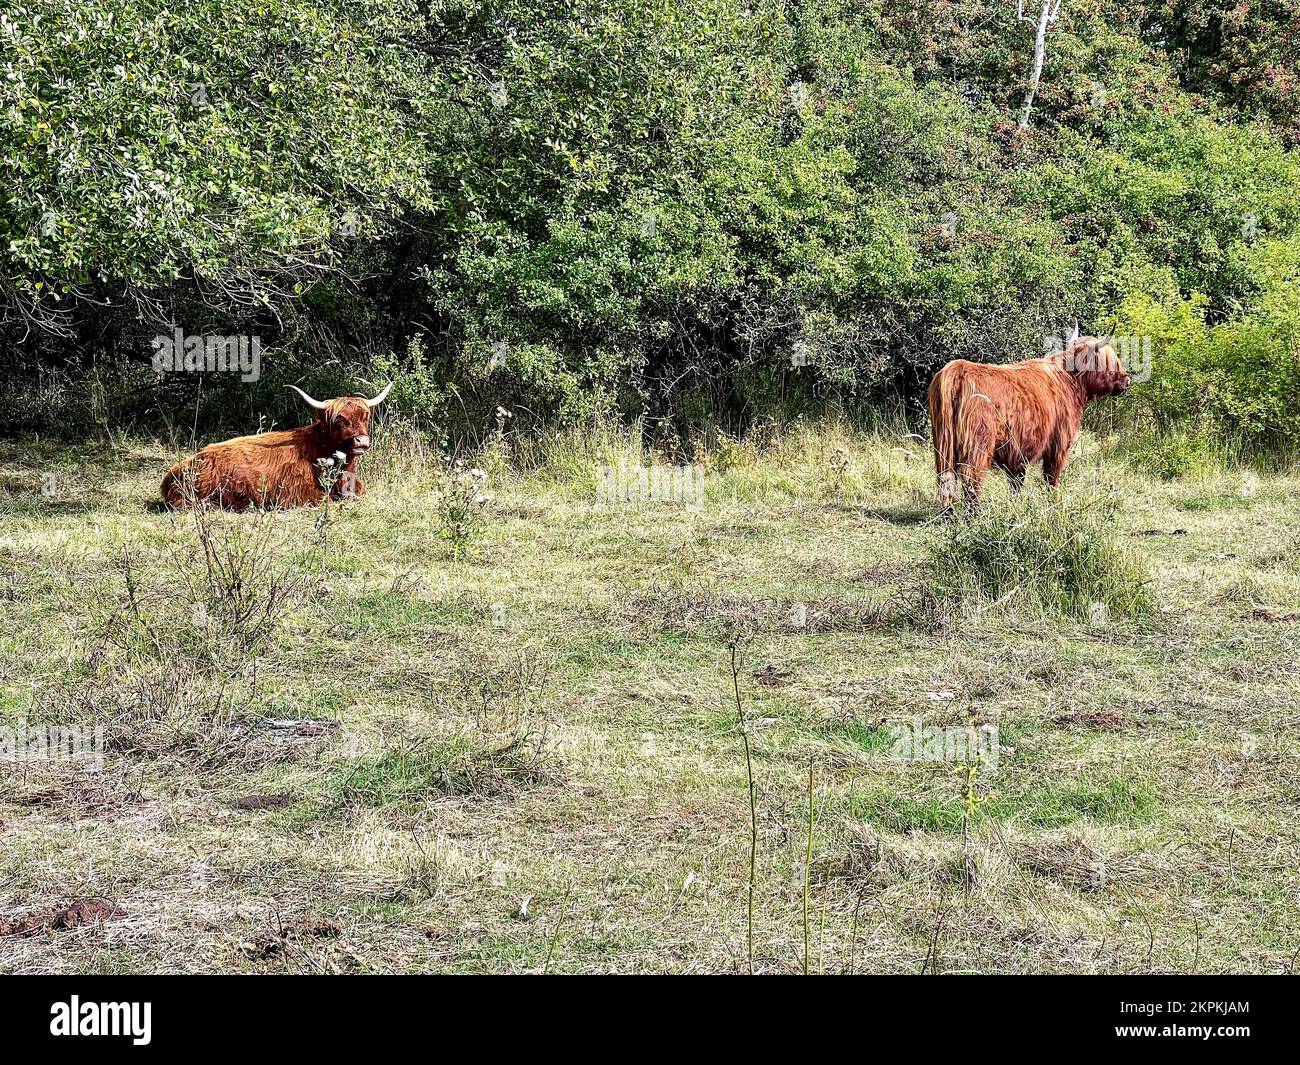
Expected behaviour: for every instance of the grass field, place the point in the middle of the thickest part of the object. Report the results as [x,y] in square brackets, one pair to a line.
[360,753]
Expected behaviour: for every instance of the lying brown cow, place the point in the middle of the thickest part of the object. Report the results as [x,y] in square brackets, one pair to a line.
[1012,416]
[281,469]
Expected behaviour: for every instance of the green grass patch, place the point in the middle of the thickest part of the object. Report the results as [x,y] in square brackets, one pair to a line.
[403,776]
[1118,801]
[463,764]
[874,739]
[1213,501]
[390,611]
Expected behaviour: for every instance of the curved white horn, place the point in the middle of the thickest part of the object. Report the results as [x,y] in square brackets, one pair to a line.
[373,403]
[1075,335]
[315,404]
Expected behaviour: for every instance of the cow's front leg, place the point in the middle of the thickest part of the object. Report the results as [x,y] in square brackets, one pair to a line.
[1054,466]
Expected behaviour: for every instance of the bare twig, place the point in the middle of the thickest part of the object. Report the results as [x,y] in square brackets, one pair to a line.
[753,800]
[807,870]
[555,935]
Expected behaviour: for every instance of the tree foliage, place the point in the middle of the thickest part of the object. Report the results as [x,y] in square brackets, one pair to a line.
[669,209]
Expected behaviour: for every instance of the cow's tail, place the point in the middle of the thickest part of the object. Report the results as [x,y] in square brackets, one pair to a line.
[943,427]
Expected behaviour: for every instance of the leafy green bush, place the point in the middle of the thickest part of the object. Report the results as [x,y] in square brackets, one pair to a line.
[1173,455]
[420,395]
[145,144]
[1056,556]
[1236,381]
[718,211]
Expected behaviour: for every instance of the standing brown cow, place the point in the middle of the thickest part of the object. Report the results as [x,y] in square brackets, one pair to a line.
[1012,416]
[281,469]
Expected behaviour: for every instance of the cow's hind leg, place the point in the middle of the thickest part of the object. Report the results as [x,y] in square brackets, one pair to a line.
[1015,472]
[1012,461]
[973,465]
[972,483]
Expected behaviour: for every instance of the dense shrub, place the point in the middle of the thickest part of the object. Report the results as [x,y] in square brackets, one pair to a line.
[1058,556]
[701,211]
[1237,380]
[223,144]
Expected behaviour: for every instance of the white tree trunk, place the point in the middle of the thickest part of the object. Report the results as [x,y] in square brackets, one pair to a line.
[1047,16]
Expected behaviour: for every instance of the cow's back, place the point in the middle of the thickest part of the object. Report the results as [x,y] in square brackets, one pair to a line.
[273,469]
[1019,407]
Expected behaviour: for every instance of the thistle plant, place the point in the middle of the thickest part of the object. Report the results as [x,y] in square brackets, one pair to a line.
[460,507]
[839,464]
[972,800]
[331,470]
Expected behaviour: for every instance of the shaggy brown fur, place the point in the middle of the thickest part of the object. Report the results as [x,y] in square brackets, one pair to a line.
[1010,417]
[281,469]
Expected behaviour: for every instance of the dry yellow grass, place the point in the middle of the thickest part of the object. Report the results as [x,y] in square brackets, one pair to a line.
[529,759]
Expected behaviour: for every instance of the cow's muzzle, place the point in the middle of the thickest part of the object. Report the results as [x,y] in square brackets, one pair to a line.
[359,444]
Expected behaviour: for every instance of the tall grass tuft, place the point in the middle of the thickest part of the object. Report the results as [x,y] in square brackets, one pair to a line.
[1055,556]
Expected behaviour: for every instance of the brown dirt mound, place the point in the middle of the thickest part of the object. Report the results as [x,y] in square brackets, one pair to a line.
[75,914]
[1261,614]
[262,802]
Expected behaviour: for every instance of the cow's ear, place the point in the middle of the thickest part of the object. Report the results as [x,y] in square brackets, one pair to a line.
[1081,358]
